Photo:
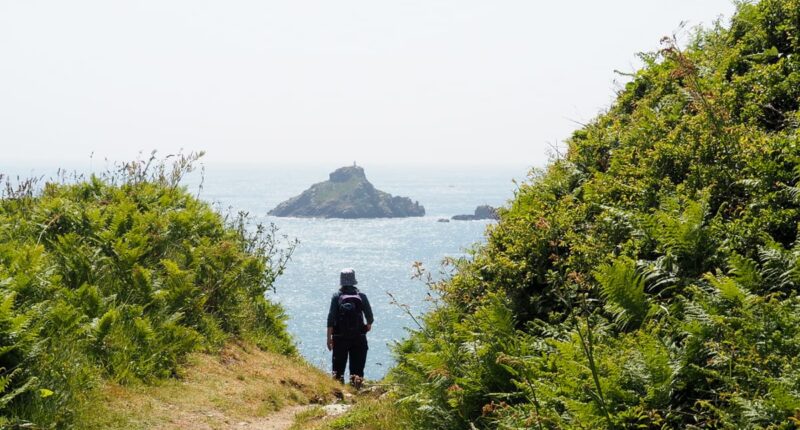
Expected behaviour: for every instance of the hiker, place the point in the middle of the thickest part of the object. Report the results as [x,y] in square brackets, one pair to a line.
[347,330]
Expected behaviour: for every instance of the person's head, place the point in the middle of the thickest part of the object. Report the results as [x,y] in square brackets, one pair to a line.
[347,278]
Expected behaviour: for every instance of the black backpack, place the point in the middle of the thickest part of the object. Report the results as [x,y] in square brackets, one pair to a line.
[349,322]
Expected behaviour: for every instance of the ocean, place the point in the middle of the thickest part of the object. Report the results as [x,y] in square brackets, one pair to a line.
[382,251]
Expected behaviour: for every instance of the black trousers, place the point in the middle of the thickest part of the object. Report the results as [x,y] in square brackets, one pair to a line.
[355,349]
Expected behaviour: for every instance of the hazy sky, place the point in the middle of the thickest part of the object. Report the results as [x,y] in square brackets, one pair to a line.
[432,81]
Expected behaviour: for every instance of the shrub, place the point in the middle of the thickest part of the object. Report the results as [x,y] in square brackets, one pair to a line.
[648,279]
[119,276]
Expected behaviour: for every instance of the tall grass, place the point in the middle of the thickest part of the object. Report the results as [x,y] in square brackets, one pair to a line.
[118,276]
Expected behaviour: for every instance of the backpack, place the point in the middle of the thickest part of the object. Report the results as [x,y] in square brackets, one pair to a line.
[349,321]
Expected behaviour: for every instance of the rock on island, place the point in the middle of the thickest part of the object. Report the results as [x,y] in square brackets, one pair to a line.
[347,194]
[481,212]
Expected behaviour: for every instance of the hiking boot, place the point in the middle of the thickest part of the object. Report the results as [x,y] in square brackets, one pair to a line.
[356,381]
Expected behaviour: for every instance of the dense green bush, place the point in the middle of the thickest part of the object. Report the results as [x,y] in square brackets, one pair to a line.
[118,277]
[650,277]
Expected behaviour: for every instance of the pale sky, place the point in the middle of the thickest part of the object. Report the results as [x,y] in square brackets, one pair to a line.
[415,81]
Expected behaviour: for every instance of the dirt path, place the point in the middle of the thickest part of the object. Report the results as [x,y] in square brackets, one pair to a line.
[284,418]
[280,420]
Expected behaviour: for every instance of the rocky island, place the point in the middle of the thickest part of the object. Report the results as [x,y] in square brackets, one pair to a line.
[347,194]
[481,212]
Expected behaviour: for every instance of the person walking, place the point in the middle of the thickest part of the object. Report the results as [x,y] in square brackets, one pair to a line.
[347,328]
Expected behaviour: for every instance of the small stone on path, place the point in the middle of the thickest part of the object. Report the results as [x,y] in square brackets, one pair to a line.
[335,409]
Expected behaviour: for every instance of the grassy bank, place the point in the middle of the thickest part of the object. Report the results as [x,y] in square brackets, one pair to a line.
[240,387]
[117,278]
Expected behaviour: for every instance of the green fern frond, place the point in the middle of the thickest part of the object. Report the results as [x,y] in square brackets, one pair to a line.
[661,275]
[745,271]
[679,228]
[695,312]
[750,182]
[5,382]
[779,267]
[623,288]
[729,289]
[793,192]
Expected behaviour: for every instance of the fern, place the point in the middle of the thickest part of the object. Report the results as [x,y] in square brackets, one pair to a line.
[745,271]
[680,230]
[780,267]
[9,392]
[623,287]
[13,380]
[692,177]
[729,289]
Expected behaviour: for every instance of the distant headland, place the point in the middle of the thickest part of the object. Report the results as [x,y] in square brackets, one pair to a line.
[347,194]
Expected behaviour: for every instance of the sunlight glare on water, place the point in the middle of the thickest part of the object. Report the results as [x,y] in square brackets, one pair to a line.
[382,251]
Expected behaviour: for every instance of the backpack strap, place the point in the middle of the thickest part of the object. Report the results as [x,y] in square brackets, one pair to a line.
[343,297]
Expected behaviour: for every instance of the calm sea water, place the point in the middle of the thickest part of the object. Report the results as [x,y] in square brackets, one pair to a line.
[382,251]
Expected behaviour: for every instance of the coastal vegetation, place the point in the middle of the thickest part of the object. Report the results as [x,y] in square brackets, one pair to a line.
[649,276]
[116,278]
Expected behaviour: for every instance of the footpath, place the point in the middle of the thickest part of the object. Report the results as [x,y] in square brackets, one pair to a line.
[241,388]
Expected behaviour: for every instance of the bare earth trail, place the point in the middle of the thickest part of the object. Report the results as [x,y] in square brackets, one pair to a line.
[216,420]
[286,417]
[280,420]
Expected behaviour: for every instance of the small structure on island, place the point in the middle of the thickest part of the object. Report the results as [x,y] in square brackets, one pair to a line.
[347,194]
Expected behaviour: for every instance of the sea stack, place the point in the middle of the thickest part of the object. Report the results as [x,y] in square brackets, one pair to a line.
[347,194]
